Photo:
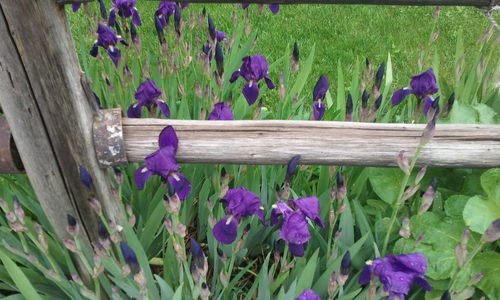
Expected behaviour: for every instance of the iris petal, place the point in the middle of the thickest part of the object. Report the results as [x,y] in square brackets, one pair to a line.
[163,108]
[226,232]
[136,20]
[297,250]
[134,110]
[251,92]
[168,137]
[141,176]
[112,17]
[400,95]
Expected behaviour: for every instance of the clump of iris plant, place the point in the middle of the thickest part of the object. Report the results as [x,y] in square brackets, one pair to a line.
[319,93]
[308,294]
[147,95]
[423,86]
[163,163]
[125,9]
[274,8]
[221,112]
[397,273]
[164,11]
[107,39]
[295,228]
[253,69]
[240,203]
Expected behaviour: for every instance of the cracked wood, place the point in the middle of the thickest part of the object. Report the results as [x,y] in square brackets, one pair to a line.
[324,143]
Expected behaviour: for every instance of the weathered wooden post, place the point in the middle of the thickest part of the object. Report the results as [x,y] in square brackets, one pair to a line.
[48,111]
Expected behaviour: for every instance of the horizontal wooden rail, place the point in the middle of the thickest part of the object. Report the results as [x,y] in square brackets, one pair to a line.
[323,143]
[477,3]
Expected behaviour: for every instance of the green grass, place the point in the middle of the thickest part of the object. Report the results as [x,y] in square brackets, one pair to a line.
[341,33]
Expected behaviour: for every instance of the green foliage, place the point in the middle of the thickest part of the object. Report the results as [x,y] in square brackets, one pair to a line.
[258,265]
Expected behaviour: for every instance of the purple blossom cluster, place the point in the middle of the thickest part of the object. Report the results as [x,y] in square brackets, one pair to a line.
[163,163]
[423,86]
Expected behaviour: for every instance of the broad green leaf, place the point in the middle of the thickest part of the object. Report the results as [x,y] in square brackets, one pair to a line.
[488,263]
[462,114]
[486,113]
[490,182]
[347,225]
[386,183]
[454,206]
[22,282]
[479,213]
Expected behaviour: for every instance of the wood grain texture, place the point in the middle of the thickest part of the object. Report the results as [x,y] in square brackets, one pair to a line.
[49,114]
[477,3]
[323,143]
[62,2]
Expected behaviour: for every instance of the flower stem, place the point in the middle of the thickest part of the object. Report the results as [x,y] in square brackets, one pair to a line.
[399,201]
[466,264]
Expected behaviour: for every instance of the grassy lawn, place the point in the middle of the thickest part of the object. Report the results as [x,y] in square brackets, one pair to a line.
[340,33]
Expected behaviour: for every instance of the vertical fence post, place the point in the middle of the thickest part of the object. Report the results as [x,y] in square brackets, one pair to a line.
[49,113]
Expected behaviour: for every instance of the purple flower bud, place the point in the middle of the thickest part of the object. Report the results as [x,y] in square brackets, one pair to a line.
[296,52]
[219,60]
[348,108]
[320,88]
[18,210]
[133,33]
[102,231]
[177,20]
[130,258]
[211,28]
[377,103]
[345,264]
[364,99]
[72,227]
[159,30]
[379,76]
[199,265]
[446,296]
[492,234]
[292,167]
[85,177]
[428,197]
[103,10]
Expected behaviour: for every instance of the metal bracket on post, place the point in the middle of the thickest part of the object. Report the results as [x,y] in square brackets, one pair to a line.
[10,161]
[108,138]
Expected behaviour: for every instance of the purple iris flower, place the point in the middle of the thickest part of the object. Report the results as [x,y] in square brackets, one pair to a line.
[397,273]
[107,39]
[253,69]
[308,295]
[422,86]
[164,11]
[319,94]
[240,203]
[295,228]
[76,6]
[126,9]
[274,8]
[221,112]
[147,95]
[163,163]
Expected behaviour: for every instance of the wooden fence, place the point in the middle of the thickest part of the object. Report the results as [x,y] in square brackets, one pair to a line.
[45,98]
